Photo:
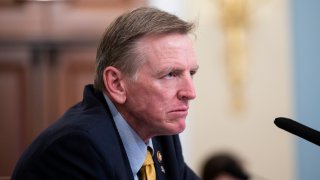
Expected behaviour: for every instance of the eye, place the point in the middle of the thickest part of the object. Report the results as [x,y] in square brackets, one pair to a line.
[170,75]
[193,73]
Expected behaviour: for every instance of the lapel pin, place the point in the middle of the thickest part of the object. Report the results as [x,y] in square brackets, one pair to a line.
[159,156]
[162,169]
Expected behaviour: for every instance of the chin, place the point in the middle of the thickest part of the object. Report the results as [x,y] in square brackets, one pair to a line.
[174,127]
[180,128]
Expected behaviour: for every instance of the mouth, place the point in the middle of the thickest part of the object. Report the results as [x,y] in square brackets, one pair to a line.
[180,108]
[182,111]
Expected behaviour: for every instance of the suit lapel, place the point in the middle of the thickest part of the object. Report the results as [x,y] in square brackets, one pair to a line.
[108,138]
[164,159]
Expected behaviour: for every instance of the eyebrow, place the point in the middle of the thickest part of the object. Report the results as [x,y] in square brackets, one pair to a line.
[167,69]
[176,69]
[196,68]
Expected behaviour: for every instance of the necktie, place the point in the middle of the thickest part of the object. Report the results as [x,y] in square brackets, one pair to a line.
[147,171]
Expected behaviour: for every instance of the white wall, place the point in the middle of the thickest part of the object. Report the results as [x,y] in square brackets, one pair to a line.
[212,125]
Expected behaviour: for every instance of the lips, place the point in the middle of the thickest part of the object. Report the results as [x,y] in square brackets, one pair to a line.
[182,111]
[180,108]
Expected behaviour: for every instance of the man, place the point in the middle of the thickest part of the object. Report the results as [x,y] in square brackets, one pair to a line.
[137,107]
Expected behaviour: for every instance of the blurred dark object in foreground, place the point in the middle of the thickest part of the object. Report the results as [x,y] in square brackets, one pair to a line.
[223,166]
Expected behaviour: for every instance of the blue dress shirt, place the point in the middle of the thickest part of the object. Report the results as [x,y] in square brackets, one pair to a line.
[135,147]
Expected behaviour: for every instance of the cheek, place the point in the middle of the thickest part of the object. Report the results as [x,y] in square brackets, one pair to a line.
[155,107]
[150,96]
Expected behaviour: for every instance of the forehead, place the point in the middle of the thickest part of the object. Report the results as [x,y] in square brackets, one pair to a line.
[167,49]
[173,40]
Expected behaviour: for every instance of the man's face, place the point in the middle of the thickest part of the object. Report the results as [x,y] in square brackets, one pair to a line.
[157,100]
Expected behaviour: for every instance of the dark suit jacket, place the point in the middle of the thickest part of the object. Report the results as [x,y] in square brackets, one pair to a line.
[85,144]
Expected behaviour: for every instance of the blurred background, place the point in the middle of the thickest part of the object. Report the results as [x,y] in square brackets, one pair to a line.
[259,59]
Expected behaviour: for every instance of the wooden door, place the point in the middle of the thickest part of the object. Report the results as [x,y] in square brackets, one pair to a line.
[14,110]
[38,83]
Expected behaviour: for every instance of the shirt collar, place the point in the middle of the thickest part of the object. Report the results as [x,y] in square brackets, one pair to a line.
[135,147]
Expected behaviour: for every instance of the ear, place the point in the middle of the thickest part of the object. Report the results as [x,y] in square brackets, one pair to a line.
[114,84]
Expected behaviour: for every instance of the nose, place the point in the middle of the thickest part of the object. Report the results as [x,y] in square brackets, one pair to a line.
[187,90]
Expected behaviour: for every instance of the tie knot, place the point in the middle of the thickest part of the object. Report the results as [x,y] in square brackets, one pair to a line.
[147,171]
[148,160]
